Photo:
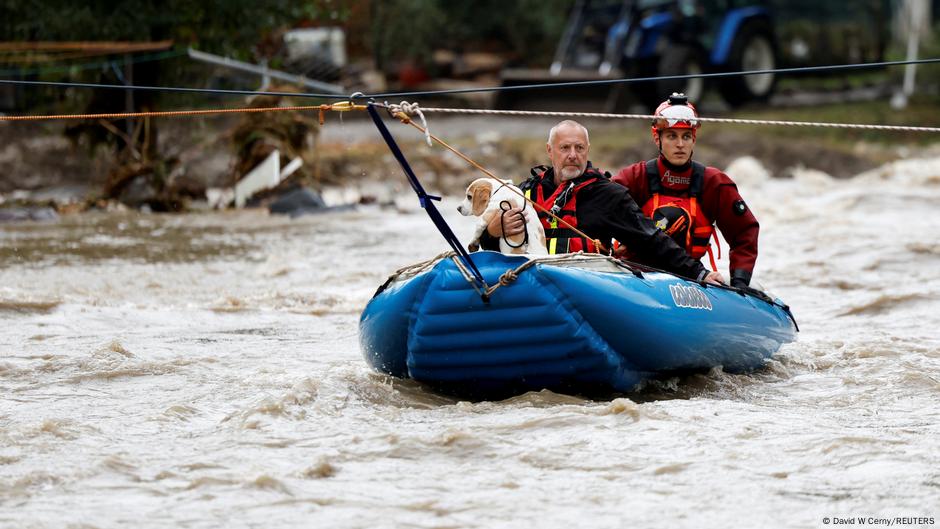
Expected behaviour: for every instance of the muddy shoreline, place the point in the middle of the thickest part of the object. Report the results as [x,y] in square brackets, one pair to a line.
[41,166]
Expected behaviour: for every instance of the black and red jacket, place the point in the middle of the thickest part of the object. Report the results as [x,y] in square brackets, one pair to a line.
[560,237]
[716,202]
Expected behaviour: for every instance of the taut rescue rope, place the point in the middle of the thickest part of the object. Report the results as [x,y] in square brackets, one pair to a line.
[407,108]
[740,121]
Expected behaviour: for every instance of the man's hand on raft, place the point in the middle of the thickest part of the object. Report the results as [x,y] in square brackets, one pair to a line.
[715,278]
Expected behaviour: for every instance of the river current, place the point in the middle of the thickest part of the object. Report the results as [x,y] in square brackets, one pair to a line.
[203,370]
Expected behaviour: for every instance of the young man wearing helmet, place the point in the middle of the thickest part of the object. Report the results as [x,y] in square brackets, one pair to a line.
[687,199]
[586,198]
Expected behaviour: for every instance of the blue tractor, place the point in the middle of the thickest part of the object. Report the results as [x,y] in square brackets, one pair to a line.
[608,39]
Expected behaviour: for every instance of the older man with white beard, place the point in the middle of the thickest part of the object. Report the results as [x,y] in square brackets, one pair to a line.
[586,199]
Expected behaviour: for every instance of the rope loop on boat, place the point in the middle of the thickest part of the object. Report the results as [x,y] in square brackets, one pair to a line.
[509,276]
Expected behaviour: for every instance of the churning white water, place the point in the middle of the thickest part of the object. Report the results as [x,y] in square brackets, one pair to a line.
[203,370]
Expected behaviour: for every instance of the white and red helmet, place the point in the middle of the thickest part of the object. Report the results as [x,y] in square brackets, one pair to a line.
[675,113]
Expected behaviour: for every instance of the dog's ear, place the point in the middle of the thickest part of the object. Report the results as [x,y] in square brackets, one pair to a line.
[481,197]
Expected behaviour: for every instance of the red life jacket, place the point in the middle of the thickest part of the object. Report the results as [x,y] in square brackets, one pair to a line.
[678,212]
[559,238]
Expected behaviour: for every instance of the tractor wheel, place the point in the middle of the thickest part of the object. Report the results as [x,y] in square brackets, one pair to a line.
[676,60]
[753,49]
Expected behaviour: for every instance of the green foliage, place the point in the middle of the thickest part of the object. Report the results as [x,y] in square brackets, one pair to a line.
[406,29]
[243,29]
[229,27]
[391,31]
[399,28]
[535,26]
[413,29]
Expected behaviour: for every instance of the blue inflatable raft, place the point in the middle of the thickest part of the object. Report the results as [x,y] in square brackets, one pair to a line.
[582,324]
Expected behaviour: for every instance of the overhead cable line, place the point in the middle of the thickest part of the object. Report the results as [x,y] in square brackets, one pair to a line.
[805,69]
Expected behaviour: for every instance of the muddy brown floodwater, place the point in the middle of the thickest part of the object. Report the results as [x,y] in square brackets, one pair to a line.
[203,370]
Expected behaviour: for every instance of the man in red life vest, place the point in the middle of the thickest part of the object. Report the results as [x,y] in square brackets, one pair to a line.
[587,200]
[685,199]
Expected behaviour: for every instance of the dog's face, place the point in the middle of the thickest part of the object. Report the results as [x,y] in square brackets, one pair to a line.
[478,196]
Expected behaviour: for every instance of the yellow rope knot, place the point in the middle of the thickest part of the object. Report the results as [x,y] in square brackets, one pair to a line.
[404,118]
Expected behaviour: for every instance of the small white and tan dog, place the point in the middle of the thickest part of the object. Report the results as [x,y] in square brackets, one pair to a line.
[484,196]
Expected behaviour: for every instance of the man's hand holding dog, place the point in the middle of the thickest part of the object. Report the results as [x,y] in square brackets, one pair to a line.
[513,221]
